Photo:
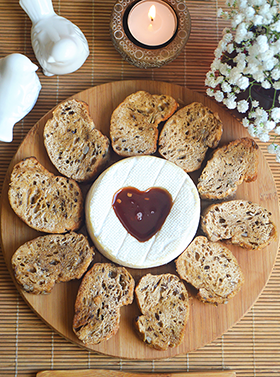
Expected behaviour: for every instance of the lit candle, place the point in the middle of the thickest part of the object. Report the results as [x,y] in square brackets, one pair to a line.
[152,22]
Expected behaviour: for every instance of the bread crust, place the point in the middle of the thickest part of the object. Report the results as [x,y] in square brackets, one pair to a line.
[212,269]
[188,134]
[239,222]
[77,149]
[230,166]
[46,260]
[164,303]
[45,202]
[134,123]
[103,291]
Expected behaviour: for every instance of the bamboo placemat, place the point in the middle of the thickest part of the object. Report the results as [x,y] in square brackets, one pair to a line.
[27,345]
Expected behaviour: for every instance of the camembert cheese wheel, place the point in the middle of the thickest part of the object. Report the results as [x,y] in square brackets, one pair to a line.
[144,172]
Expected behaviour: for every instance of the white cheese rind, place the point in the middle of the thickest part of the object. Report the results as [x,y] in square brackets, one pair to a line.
[143,172]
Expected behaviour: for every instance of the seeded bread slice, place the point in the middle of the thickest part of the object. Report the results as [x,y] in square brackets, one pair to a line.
[239,222]
[164,303]
[187,135]
[40,263]
[45,202]
[212,269]
[76,148]
[103,291]
[230,165]
[134,123]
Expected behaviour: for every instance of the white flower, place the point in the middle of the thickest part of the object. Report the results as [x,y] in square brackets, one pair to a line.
[252,68]
[240,58]
[243,4]
[265,56]
[276,85]
[218,52]
[269,125]
[264,137]
[215,66]
[268,65]
[222,45]
[225,69]
[261,115]
[210,92]
[266,84]
[265,12]
[227,37]
[230,102]
[219,96]
[275,114]
[219,12]
[238,18]
[250,12]
[210,80]
[254,40]
[275,74]
[273,148]
[245,122]
[243,82]
[242,106]
[255,103]
[241,64]
[258,76]
[226,87]
[275,46]
[276,26]
[253,51]
[241,33]
[252,129]
[257,20]
[219,79]
[230,48]
[262,43]
[258,2]
[234,76]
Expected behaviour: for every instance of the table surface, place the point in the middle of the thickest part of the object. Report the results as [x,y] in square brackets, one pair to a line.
[252,346]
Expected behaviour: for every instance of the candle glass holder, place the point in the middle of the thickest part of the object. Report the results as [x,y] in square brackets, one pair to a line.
[143,56]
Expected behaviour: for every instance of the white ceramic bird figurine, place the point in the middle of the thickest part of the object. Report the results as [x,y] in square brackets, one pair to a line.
[59,46]
[19,89]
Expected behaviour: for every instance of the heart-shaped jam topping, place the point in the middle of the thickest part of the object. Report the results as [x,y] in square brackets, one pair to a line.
[142,213]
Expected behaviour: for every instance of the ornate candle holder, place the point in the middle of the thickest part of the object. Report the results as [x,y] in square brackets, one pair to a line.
[143,56]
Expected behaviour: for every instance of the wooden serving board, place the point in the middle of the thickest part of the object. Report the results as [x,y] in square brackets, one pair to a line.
[115,373]
[206,322]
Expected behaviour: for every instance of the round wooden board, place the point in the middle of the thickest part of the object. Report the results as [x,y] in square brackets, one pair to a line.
[206,322]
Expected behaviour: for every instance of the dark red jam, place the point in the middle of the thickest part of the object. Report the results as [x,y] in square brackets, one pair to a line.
[142,213]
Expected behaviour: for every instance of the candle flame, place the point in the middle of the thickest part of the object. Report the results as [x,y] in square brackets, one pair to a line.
[152,13]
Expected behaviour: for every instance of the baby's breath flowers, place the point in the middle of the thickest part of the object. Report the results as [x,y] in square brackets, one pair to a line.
[247,66]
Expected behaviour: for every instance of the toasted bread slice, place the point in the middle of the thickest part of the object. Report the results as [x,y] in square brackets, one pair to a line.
[164,303]
[134,123]
[188,134]
[77,149]
[240,222]
[102,293]
[45,202]
[40,263]
[212,269]
[230,165]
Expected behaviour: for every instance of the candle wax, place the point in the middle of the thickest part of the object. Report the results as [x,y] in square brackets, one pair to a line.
[152,31]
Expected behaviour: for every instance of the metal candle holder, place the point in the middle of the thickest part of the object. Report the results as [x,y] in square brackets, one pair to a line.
[148,56]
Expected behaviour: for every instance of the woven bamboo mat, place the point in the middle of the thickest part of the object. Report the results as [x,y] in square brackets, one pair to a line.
[27,345]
